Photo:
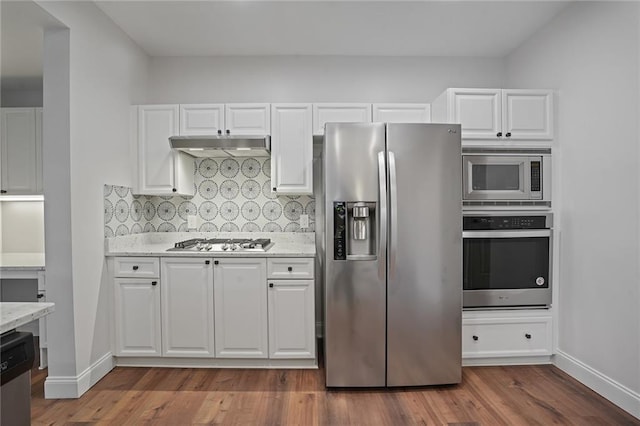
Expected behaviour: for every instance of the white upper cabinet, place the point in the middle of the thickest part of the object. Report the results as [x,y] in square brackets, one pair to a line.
[402,113]
[247,119]
[339,113]
[201,119]
[161,171]
[292,149]
[527,114]
[21,151]
[497,114]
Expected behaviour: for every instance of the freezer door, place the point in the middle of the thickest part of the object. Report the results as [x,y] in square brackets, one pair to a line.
[424,294]
[354,289]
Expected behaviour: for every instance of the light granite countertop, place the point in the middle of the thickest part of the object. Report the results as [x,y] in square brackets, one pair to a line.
[286,244]
[15,314]
[22,261]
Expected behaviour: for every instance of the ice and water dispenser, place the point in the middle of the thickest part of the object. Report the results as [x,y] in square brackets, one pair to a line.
[354,233]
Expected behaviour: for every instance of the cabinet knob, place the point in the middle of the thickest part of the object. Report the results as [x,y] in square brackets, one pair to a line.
[215,262]
[219,131]
[274,189]
[207,262]
[174,190]
[154,282]
[2,191]
[40,296]
[499,134]
[290,268]
[508,134]
[271,285]
[135,267]
[528,336]
[228,131]
[475,338]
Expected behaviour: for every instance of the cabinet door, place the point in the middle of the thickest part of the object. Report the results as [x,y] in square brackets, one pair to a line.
[527,114]
[247,119]
[161,171]
[479,112]
[402,113]
[137,317]
[339,113]
[20,151]
[291,319]
[292,149]
[187,307]
[240,294]
[201,119]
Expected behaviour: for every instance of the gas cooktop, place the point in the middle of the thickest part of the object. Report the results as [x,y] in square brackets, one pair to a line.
[223,245]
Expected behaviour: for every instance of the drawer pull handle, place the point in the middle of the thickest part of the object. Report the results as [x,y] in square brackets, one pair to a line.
[154,282]
[475,338]
[215,262]
[528,336]
[40,296]
[135,267]
[290,268]
[207,262]
[271,285]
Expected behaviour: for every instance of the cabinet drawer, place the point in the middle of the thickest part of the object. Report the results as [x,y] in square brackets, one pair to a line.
[294,268]
[137,267]
[505,337]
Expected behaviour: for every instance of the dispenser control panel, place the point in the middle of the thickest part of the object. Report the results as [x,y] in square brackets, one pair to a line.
[339,231]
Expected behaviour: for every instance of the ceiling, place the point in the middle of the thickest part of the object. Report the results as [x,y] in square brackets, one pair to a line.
[376,28]
[302,27]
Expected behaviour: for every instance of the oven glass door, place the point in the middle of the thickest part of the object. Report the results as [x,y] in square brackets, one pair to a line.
[496,177]
[498,260]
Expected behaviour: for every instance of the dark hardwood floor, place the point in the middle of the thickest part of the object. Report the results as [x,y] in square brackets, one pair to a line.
[518,395]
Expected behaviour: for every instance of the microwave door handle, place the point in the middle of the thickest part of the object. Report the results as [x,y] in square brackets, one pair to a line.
[382,197]
[507,234]
[393,215]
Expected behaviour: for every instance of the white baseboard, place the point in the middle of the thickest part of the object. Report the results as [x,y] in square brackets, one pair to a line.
[513,360]
[615,392]
[64,387]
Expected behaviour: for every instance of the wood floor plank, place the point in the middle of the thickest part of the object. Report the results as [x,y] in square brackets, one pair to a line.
[522,395]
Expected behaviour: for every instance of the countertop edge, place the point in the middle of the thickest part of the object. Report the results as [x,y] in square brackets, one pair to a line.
[15,314]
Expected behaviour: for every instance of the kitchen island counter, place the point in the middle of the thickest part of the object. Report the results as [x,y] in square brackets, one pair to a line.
[15,314]
[286,244]
[21,262]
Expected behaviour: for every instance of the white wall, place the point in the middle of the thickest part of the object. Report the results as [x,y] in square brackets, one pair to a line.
[315,78]
[23,226]
[590,54]
[108,74]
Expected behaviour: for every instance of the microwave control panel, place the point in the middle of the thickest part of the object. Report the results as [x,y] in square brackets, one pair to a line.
[478,223]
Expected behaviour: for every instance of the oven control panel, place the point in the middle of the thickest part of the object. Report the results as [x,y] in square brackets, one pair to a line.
[471,223]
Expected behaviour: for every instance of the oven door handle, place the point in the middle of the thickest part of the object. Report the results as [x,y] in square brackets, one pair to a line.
[507,234]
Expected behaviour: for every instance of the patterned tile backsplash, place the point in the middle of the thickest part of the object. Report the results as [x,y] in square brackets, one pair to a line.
[232,194]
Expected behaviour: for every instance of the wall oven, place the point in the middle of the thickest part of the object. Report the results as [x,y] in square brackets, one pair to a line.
[506,176]
[507,260]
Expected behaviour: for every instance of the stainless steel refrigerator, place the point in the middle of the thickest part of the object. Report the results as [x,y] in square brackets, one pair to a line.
[392,254]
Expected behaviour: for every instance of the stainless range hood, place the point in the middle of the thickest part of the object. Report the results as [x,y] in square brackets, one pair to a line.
[222,145]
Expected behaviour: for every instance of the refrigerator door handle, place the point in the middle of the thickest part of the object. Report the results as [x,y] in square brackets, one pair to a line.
[393,214]
[382,197]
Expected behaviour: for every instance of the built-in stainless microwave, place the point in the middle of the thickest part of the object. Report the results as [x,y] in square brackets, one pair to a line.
[506,176]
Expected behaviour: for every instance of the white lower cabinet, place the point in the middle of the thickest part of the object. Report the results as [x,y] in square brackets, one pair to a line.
[291,319]
[187,307]
[506,334]
[137,317]
[240,296]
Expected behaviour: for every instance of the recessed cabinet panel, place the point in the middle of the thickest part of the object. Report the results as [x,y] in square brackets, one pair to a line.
[527,114]
[201,119]
[21,151]
[402,113]
[339,113]
[291,319]
[248,119]
[479,112]
[187,307]
[137,317]
[290,268]
[240,295]
[292,149]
